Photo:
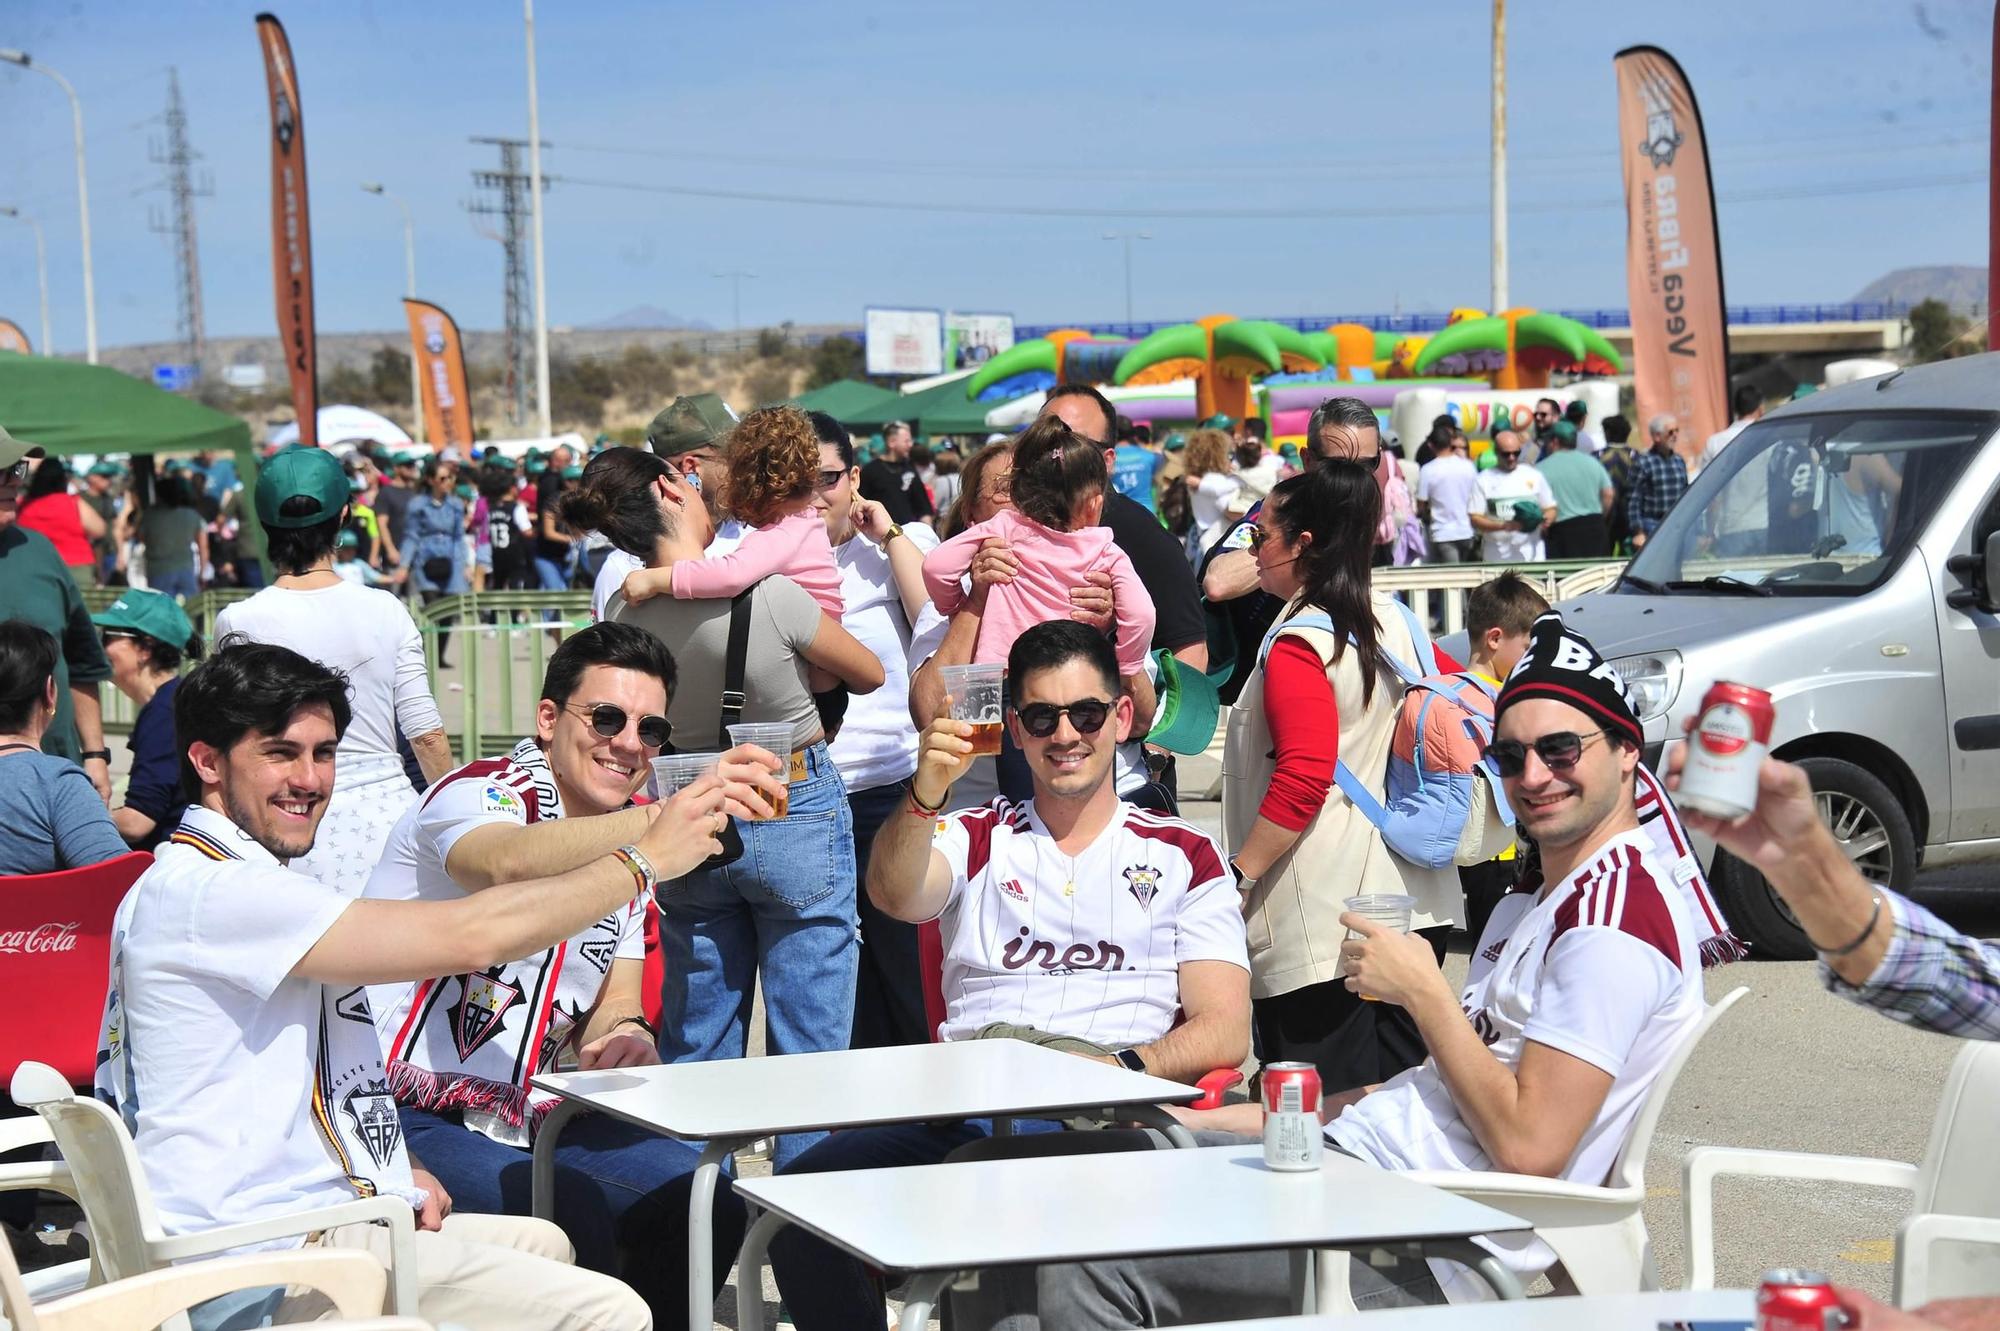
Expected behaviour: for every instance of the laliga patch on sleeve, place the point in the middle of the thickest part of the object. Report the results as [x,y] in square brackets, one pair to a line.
[501,800]
[1239,536]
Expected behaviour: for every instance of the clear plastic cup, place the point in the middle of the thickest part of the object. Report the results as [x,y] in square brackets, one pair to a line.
[672,771]
[1390,908]
[774,737]
[976,692]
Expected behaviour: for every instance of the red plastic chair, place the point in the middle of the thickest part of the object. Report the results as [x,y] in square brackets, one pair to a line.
[930,959]
[55,963]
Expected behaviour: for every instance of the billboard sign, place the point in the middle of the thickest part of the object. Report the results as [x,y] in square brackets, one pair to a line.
[174,378]
[904,341]
[970,340]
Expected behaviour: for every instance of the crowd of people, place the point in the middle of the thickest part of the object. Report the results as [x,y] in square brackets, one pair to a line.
[321,928]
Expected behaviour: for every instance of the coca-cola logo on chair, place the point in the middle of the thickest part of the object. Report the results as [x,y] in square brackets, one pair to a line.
[49,937]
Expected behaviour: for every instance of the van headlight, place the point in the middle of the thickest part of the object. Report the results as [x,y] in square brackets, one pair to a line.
[1652,682]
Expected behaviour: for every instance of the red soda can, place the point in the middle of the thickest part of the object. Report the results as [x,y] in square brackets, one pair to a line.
[1798,1300]
[1291,1116]
[1725,749]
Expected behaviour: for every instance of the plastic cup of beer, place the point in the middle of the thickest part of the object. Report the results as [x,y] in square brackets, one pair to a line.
[975,692]
[674,771]
[775,738]
[1389,908]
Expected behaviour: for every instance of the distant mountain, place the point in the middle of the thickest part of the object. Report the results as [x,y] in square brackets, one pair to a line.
[1959,285]
[647,316]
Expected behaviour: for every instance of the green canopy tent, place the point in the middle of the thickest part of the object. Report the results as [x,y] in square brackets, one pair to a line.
[938,410]
[844,398]
[68,407]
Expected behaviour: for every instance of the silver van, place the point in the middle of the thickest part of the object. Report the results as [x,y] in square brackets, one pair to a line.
[1844,553]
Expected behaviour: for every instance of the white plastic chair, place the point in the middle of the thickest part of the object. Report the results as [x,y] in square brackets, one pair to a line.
[1950,1243]
[1599,1233]
[48,1175]
[353,1282]
[126,1237]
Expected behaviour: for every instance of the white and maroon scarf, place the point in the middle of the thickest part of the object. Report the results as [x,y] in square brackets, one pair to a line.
[471,1041]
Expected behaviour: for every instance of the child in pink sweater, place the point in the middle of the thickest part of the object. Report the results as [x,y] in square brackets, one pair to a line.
[773,489]
[1058,487]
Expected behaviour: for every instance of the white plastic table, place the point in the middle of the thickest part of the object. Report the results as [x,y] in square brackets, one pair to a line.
[941,1221]
[1605,1312]
[730,1103]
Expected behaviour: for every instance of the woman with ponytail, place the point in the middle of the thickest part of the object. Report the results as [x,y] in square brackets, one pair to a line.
[1326,688]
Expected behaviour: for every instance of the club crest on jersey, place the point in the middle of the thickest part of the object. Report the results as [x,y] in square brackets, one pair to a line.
[1012,887]
[1143,883]
[372,1110]
[481,1005]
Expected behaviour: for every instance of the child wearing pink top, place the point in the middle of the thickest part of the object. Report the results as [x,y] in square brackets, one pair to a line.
[1058,489]
[773,489]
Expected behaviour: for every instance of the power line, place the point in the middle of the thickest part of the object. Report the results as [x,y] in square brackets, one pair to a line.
[990,209]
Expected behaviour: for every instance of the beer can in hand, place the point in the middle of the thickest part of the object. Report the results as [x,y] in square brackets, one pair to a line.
[1292,1138]
[1796,1300]
[1725,751]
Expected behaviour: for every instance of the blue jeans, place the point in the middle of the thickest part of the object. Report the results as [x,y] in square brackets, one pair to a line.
[550,577]
[823,1287]
[889,993]
[785,910]
[621,1196]
[180,582]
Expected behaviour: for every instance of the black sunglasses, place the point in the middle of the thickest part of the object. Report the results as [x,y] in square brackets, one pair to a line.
[608,720]
[1507,453]
[1041,718]
[18,473]
[1559,751]
[830,479]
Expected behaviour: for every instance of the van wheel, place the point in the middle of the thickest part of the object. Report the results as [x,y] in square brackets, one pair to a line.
[1870,825]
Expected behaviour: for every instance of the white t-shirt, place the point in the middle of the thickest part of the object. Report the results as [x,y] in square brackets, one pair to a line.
[1210,504]
[1603,967]
[1712,447]
[617,564]
[877,745]
[1448,485]
[1089,947]
[480,794]
[367,635]
[1498,491]
[220,1042]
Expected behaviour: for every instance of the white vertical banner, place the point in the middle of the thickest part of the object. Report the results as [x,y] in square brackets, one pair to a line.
[904,341]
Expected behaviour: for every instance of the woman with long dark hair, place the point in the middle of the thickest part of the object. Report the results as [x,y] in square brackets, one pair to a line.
[69,522]
[1326,688]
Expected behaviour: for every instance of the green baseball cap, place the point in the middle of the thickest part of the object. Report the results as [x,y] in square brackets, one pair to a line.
[107,469]
[572,472]
[347,540]
[1564,431]
[1189,707]
[311,472]
[1176,442]
[688,423]
[155,614]
[13,450]
[1529,514]
[1218,422]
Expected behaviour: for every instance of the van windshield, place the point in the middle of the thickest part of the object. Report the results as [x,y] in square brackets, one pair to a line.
[1809,505]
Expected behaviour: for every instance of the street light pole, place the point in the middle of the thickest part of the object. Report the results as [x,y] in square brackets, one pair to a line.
[410,290]
[1128,237]
[22,59]
[1500,297]
[535,206]
[735,278]
[41,271]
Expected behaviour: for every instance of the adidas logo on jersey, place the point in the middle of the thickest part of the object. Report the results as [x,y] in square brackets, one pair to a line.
[1012,887]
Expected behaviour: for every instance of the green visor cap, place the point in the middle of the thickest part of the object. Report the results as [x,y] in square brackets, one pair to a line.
[155,614]
[688,423]
[1188,709]
[309,472]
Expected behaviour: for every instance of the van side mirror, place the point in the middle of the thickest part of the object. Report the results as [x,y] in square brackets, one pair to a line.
[1981,575]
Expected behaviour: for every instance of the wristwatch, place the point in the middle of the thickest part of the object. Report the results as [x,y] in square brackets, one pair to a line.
[895,530]
[1130,1058]
[105,754]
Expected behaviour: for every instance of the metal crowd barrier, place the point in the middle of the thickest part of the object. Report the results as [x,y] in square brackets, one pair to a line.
[499,642]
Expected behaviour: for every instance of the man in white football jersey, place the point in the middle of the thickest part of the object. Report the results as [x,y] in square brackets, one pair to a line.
[1072,915]
[1584,984]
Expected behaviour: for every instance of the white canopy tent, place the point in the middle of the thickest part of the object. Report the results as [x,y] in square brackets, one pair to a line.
[345,425]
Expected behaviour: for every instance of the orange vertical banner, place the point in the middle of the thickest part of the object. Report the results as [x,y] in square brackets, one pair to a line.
[291,227]
[440,358]
[1673,251]
[13,339]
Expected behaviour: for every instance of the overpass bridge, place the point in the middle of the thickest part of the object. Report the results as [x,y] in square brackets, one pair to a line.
[1849,328]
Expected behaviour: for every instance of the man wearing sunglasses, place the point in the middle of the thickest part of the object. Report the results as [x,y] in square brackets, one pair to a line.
[460,1049]
[1515,504]
[36,586]
[1659,479]
[1580,991]
[1074,919]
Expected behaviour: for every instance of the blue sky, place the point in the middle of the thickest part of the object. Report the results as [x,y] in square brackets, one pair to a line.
[1849,138]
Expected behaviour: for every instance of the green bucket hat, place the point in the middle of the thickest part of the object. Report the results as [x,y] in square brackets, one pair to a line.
[688,423]
[1188,710]
[155,614]
[309,472]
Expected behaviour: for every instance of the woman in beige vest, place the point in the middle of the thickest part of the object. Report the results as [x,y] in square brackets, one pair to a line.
[1298,846]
